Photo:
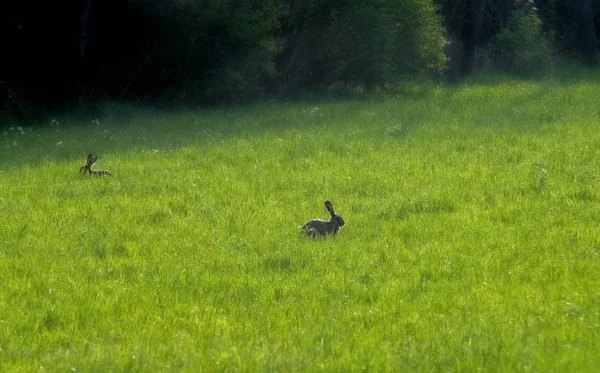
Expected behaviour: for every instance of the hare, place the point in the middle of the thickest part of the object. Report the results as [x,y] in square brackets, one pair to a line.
[88,167]
[318,227]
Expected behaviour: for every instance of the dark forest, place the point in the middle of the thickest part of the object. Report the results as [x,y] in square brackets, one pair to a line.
[58,55]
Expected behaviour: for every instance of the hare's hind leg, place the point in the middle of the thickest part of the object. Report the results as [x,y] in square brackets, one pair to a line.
[309,230]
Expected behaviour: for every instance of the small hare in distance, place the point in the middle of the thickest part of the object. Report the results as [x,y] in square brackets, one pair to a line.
[318,227]
[88,167]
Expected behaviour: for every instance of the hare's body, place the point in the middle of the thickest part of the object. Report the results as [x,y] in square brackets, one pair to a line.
[318,227]
[101,173]
[87,168]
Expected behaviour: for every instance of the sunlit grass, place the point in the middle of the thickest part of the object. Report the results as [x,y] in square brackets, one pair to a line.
[471,238]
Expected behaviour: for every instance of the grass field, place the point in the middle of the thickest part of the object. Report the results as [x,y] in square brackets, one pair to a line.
[471,240]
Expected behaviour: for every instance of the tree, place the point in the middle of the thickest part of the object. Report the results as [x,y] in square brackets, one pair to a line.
[472,33]
[368,43]
[589,43]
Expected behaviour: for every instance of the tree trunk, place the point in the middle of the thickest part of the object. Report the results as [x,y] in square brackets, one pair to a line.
[83,39]
[83,36]
[589,43]
[505,9]
[473,16]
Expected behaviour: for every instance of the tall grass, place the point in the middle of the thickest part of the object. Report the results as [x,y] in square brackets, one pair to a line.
[471,238]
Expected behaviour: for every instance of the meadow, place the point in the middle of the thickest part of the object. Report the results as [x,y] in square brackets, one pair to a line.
[471,240]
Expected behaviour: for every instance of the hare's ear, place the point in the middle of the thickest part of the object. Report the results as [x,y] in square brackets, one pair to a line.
[93,160]
[89,159]
[329,207]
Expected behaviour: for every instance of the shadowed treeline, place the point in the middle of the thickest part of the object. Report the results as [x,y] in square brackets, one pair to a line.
[77,53]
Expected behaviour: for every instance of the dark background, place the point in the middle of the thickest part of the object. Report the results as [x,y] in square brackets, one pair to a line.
[72,53]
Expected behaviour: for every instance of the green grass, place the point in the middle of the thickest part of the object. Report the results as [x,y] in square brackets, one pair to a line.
[471,240]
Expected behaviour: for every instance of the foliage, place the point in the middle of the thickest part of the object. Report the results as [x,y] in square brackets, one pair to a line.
[471,237]
[521,46]
[197,53]
[369,43]
[561,18]
[213,50]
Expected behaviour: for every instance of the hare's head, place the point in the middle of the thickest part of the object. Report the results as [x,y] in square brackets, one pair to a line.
[336,221]
[318,227]
[88,166]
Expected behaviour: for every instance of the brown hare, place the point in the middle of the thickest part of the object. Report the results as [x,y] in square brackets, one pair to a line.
[88,167]
[318,227]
